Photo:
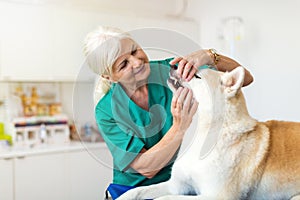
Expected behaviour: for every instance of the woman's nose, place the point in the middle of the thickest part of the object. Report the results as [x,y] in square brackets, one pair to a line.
[134,61]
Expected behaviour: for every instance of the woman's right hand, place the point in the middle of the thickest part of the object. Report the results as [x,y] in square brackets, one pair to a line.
[150,161]
[183,109]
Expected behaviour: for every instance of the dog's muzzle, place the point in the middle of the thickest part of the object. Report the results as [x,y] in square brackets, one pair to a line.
[174,80]
[175,83]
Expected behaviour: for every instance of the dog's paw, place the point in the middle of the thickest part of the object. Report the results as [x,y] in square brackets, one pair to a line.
[127,196]
[133,194]
[124,197]
[168,197]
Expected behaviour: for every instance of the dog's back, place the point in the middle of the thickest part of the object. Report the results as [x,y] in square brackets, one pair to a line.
[281,174]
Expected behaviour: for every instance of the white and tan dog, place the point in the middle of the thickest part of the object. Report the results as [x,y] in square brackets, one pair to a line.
[249,159]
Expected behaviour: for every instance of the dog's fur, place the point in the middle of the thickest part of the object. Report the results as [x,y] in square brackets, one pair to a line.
[249,160]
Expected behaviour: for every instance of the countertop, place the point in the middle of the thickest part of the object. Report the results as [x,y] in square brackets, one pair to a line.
[17,152]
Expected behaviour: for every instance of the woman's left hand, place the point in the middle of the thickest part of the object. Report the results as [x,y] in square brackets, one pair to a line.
[188,65]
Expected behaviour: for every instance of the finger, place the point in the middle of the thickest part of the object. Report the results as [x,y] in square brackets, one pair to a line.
[188,101]
[187,68]
[194,107]
[191,74]
[175,97]
[181,65]
[175,60]
[181,98]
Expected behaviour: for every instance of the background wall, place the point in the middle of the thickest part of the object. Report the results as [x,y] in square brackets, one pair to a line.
[42,41]
[269,49]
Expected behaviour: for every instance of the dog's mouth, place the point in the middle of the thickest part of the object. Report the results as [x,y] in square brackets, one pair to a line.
[174,81]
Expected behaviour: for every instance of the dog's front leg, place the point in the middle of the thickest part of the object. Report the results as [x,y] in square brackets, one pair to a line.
[182,197]
[147,192]
[295,197]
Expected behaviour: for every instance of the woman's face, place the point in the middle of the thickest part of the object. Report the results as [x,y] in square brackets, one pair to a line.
[132,66]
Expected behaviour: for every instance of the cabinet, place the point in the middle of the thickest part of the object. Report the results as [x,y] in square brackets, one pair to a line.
[39,43]
[70,173]
[89,174]
[6,178]
[40,177]
[26,42]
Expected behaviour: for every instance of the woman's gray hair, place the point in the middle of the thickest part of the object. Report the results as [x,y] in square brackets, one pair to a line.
[102,48]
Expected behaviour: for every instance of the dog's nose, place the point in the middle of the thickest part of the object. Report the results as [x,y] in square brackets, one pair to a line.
[174,67]
[174,73]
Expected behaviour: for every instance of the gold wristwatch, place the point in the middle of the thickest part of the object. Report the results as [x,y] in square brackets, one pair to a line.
[215,56]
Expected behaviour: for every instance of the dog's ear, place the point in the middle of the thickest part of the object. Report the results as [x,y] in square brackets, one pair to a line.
[233,81]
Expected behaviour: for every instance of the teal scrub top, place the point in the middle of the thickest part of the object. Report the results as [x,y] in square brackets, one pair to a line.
[127,128]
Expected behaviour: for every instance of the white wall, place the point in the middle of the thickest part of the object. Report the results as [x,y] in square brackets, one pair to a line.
[54,31]
[269,49]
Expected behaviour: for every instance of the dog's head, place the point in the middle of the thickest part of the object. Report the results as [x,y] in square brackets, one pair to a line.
[209,86]
[221,103]
[174,81]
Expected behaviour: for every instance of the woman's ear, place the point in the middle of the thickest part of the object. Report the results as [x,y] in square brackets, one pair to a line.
[107,77]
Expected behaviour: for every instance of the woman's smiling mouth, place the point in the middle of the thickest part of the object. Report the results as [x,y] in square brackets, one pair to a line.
[140,69]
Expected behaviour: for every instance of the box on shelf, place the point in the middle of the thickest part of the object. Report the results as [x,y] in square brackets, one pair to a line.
[41,129]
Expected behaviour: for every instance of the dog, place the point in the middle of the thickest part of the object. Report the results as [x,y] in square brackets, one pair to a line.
[245,158]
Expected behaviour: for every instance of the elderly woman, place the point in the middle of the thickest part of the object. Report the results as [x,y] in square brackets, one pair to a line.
[140,119]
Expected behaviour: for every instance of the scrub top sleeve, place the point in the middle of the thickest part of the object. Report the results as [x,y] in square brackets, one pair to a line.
[124,146]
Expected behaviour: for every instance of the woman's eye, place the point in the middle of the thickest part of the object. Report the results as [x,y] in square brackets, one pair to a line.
[123,64]
[133,51]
